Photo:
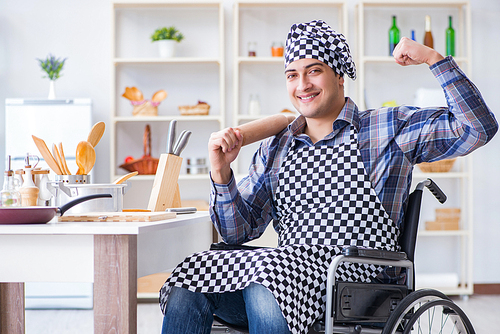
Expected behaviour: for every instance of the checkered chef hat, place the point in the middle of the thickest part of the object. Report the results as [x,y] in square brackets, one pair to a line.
[318,40]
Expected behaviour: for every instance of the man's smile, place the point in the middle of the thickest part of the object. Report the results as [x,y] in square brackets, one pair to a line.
[308,97]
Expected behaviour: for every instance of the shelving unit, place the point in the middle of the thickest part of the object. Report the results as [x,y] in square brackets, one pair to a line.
[378,71]
[197,72]
[373,49]
[263,74]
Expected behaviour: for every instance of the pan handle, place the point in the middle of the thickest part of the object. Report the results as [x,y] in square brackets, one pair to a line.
[61,210]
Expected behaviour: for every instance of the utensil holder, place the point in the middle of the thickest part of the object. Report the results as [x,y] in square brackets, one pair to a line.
[165,192]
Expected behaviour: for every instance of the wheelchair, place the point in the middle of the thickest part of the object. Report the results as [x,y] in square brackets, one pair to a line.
[373,308]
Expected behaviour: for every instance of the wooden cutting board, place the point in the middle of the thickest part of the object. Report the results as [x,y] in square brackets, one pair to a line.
[117,217]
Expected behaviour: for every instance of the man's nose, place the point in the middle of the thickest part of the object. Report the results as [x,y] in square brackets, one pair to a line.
[304,83]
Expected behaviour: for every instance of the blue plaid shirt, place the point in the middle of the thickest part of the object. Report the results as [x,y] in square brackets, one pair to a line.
[391,141]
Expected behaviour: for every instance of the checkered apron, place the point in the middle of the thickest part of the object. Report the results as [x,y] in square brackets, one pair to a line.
[324,201]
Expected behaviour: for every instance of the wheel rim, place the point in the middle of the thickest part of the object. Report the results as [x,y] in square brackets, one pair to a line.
[437,316]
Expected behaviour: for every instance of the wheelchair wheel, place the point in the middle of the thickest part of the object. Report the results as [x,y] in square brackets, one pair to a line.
[427,311]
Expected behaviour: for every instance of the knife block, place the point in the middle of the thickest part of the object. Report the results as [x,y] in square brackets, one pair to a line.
[165,192]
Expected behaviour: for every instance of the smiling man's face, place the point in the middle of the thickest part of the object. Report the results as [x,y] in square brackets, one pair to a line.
[314,88]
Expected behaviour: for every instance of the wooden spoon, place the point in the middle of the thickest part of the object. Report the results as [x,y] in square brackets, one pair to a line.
[85,157]
[47,156]
[96,133]
[63,159]
[125,177]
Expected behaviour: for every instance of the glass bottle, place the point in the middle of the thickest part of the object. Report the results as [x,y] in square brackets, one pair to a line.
[9,194]
[450,38]
[393,36]
[254,105]
[277,49]
[428,40]
[252,49]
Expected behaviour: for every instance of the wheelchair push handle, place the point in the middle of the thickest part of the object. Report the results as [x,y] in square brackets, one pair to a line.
[434,189]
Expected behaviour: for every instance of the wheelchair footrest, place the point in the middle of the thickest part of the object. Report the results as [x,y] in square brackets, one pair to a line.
[366,302]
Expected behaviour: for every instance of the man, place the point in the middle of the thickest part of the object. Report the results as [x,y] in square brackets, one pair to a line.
[336,176]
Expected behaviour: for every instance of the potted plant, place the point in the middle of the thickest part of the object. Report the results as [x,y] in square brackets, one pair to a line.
[53,67]
[166,38]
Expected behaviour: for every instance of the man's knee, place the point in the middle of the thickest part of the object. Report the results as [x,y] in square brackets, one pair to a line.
[187,312]
[182,301]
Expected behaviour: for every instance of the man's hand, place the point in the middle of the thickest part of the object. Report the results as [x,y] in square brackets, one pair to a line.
[409,52]
[223,148]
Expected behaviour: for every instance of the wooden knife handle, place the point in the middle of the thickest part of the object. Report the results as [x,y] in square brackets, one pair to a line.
[265,127]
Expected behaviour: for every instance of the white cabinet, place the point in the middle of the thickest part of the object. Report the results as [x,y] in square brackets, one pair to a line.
[263,23]
[195,73]
[439,253]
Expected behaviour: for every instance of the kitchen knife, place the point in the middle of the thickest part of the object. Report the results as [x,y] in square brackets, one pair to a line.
[181,210]
[171,137]
[181,143]
[177,141]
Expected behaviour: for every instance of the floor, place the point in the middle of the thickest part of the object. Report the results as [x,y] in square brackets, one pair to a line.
[482,310]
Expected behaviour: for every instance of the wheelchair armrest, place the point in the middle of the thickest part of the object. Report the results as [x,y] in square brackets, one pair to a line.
[355,251]
[223,246]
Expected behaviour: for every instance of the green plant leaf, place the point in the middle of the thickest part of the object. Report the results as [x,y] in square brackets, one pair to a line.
[52,66]
[167,33]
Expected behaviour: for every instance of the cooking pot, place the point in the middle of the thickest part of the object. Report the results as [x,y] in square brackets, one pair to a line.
[65,190]
[40,214]
[68,192]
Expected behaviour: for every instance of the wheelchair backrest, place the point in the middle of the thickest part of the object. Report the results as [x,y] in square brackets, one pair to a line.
[409,228]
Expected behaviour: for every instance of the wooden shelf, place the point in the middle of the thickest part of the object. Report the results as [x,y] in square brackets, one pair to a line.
[210,118]
[448,175]
[449,233]
[173,60]
[390,60]
[187,177]
[163,3]
[413,3]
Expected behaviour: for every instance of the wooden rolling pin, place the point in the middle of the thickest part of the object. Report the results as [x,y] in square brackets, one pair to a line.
[265,127]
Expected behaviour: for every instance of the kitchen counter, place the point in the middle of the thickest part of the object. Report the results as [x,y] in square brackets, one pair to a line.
[112,255]
[81,228]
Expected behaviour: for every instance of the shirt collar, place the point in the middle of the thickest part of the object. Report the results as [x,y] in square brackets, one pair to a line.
[348,115]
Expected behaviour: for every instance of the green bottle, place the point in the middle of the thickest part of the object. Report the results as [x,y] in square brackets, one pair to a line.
[450,39]
[393,36]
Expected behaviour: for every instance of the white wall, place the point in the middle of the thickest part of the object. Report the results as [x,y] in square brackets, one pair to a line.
[81,31]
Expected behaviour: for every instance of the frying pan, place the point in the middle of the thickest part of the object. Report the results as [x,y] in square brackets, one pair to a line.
[40,214]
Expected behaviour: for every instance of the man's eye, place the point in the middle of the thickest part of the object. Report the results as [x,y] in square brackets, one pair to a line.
[290,76]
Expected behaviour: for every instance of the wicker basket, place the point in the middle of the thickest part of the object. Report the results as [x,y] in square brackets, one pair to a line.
[146,165]
[145,109]
[442,166]
[199,109]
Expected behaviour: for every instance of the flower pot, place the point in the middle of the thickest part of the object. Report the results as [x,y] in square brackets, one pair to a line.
[167,47]
[52,90]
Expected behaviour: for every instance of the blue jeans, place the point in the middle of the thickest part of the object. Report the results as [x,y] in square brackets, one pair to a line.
[192,312]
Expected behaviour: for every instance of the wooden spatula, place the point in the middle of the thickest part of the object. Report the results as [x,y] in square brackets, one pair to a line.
[55,153]
[96,133]
[47,156]
[125,177]
[63,159]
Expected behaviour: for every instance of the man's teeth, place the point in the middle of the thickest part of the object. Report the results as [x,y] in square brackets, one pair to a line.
[308,97]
